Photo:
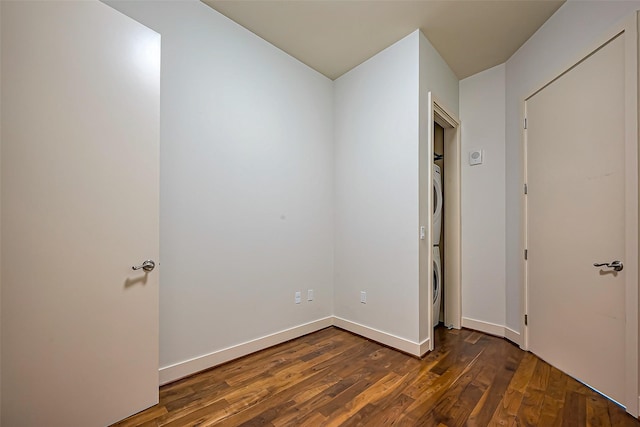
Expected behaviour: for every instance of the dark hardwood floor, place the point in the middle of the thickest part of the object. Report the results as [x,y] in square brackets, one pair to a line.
[334,378]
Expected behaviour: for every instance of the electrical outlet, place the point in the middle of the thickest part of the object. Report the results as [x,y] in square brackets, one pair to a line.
[363,297]
[298,297]
[310,295]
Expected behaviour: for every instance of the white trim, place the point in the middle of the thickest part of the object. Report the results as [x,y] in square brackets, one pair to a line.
[482,326]
[425,347]
[492,329]
[524,221]
[402,344]
[429,248]
[512,336]
[189,367]
[183,369]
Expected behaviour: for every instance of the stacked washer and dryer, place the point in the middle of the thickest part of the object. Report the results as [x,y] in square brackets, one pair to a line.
[437,232]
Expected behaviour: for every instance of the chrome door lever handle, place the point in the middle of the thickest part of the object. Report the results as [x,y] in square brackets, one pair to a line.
[147,266]
[616,265]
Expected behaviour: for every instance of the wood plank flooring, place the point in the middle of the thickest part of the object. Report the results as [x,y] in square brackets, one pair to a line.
[334,378]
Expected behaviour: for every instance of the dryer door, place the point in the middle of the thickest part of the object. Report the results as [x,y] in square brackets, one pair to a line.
[437,205]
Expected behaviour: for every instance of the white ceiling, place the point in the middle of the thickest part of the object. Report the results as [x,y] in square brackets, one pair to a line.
[333,36]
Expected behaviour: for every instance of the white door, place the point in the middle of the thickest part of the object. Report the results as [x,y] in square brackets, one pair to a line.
[80,165]
[576,217]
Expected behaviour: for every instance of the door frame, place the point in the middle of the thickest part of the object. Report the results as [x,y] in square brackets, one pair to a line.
[629,27]
[452,214]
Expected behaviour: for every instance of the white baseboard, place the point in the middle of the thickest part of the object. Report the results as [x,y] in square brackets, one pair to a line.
[492,329]
[402,344]
[425,346]
[189,367]
[512,336]
[486,327]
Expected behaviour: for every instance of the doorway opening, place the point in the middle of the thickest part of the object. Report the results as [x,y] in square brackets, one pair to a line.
[444,167]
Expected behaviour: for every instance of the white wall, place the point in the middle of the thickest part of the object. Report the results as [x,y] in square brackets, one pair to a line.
[380,179]
[376,191]
[558,44]
[482,112]
[246,211]
[435,77]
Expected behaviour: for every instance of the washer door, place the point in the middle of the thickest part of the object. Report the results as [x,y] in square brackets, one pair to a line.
[437,196]
[436,283]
